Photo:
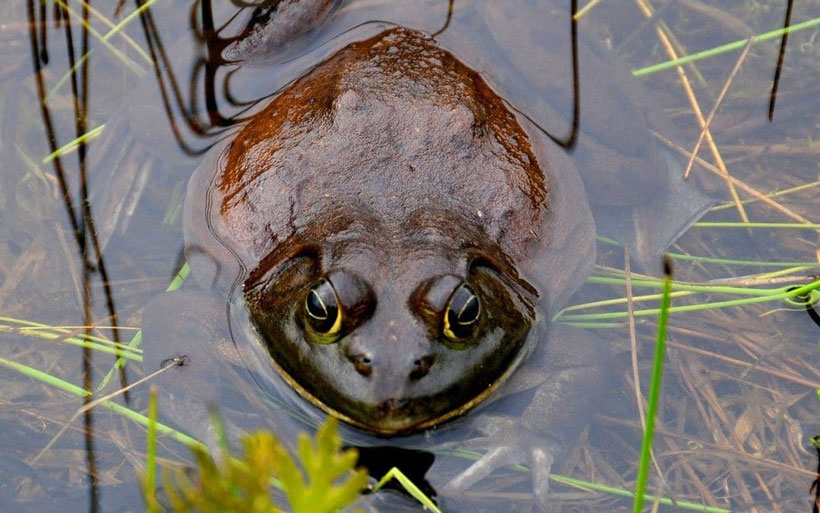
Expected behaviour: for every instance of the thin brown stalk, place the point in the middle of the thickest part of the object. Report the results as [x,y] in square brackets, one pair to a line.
[714,449]
[777,194]
[647,10]
[737,183]
[702,392]
[747,365]
[88,406]
[718,101]
[633,342]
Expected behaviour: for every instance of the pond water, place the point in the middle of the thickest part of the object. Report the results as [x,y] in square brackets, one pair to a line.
[93,235]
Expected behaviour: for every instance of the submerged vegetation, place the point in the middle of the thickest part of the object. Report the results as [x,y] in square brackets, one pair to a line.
[742,367]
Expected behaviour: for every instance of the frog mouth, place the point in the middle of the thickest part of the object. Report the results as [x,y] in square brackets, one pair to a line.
[392,416]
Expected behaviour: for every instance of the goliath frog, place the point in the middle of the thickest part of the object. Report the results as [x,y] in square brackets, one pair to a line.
[391,238]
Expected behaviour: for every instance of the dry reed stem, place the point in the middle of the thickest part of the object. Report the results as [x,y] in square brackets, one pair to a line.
[93,404]
[700,390]
[715,450]
[647,10]
[112,26]
[633,343]
[747,365]
[738,183]
[718,102]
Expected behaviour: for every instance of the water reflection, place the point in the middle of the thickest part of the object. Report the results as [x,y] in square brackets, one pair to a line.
[124,252]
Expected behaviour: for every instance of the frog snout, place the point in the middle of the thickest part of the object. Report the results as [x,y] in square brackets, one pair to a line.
[414,366]
[362,363]
[421,367]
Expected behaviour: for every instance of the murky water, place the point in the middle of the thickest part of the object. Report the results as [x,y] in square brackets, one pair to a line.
[738,405]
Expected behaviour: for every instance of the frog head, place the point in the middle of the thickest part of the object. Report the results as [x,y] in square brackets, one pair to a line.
[392,329]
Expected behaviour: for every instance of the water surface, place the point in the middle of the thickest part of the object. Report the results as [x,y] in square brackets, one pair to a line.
[738,402]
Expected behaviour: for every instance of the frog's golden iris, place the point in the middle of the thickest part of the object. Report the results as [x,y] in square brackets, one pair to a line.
[323,314]
[461,316]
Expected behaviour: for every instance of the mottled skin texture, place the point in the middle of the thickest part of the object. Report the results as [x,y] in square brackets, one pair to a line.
[389,129]
[396,173]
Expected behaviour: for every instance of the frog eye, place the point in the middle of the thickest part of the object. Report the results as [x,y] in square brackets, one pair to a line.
[322,311]
[461,316]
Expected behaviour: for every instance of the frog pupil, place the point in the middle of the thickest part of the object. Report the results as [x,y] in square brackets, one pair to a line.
[469,312]
[315,306]
[322,309]
[462,313]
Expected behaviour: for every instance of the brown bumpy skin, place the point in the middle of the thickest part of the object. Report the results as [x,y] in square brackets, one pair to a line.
[393,171]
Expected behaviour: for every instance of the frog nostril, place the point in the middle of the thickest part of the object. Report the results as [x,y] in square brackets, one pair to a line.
[362,364]
[421,367]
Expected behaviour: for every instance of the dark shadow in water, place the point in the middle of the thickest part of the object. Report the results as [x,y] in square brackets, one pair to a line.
[813,314]
[169,87]
[79,225]
[815,440]
[446,21]
[413,463]
[567,143]
[807,300]
[783,41]
[205,68]
[79,210]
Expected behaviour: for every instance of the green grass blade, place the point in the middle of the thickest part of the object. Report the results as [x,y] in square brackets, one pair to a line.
[127,61]
[773,295]
[91,134]
[150,483]
[612,490]
[73,389]
[117,29]
[594,325]
[736,45]
[777,194]
[621,301]
[717,260]
[410,486]
[736,261]
[45,332]
[654,389]
[722,224]
[135,342]
[176,283]
[589,486]
[712,289]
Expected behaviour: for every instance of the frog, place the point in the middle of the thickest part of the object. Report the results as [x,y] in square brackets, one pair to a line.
[387,239]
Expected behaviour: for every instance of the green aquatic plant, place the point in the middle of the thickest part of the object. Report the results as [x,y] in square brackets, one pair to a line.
[321,479]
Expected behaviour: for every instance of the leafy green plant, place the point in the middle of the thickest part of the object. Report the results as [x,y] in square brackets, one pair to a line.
[321,480]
